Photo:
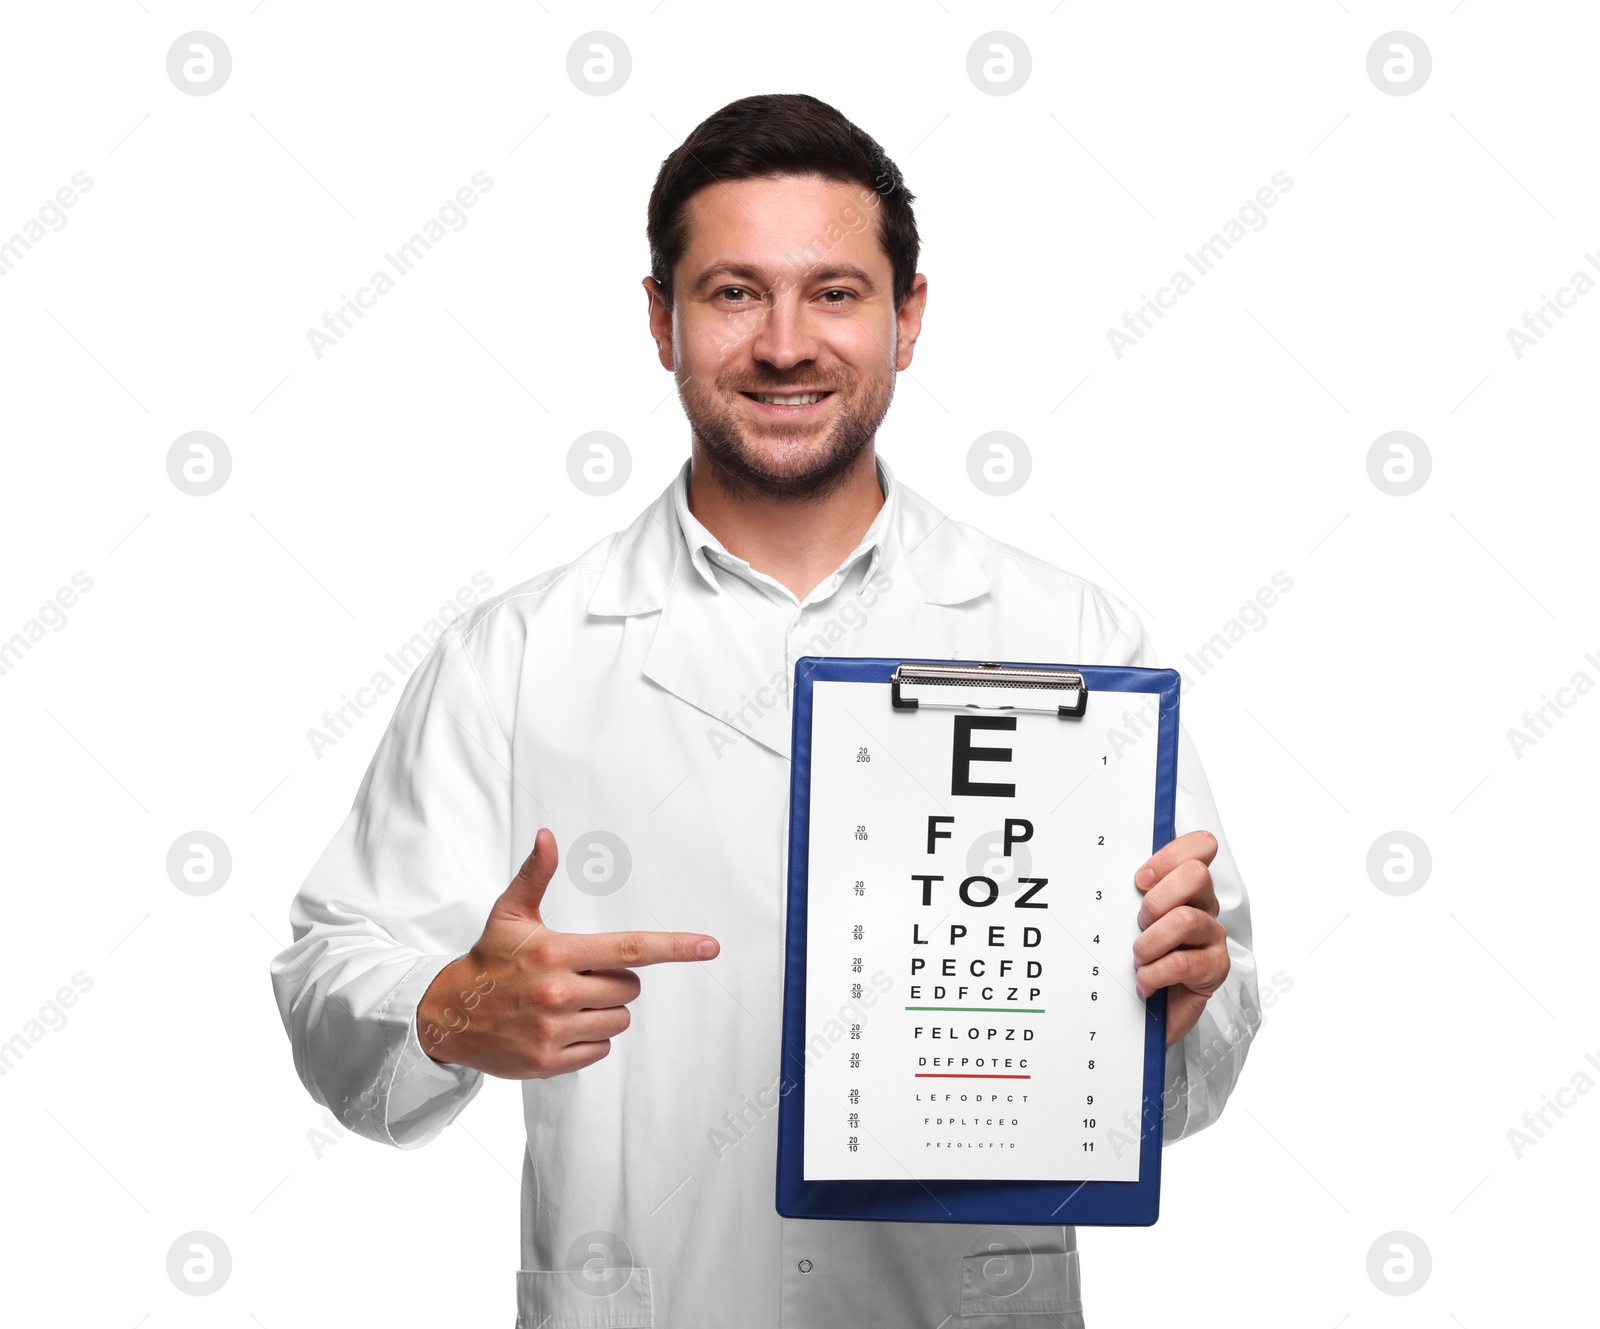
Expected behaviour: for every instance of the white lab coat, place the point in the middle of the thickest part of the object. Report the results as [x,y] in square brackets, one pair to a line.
[641,691]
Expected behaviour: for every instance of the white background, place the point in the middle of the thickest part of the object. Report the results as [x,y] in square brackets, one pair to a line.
[430,443]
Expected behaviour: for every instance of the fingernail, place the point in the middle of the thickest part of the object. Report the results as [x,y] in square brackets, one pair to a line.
[706,949]
[1144,877]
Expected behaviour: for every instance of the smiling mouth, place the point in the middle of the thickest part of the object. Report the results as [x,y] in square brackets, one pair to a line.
[789,398]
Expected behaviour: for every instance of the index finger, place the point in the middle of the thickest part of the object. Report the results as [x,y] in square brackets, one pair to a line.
[1196,844]
[623,950]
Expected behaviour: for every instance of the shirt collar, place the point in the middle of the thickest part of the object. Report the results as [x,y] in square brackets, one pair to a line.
[639,567]
[704,547]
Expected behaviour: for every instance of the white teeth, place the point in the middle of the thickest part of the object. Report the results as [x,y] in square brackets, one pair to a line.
[803,399]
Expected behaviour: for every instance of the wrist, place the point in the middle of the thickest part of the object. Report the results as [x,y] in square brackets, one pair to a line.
[438,1015]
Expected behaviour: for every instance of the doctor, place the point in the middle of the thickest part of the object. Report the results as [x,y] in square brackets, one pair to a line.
[625,717]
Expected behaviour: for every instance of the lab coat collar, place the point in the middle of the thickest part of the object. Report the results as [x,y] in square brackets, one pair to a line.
[649,570]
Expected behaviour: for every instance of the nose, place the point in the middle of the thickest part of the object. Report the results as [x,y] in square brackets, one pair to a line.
[786,334]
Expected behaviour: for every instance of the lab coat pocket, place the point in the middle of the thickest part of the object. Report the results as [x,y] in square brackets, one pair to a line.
[550,1299]
[1017,1291]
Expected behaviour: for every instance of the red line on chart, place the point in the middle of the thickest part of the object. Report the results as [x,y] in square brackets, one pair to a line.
[940,1075]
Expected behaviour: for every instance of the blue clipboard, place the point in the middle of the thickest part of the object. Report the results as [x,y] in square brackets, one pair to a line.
[929,1199]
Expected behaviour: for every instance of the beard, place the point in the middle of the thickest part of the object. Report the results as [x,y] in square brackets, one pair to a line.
[756,459]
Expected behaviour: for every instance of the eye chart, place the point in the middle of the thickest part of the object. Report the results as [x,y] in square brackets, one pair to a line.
[969,1003]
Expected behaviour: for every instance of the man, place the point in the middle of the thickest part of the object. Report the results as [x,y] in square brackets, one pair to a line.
[631,705]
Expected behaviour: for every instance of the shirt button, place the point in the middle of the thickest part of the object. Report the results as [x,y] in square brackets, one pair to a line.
[805,1266]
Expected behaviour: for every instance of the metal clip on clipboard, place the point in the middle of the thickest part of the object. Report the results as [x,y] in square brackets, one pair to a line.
[987,686]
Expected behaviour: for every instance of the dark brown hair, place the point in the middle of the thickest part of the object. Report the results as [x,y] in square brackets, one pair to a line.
[785,133]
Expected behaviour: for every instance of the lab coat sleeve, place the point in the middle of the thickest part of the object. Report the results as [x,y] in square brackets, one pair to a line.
[1203,1066]
[403,888]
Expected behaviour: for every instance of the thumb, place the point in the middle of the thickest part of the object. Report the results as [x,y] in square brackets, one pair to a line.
[521,899]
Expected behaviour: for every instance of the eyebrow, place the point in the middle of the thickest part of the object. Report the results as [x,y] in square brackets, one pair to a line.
[744,272]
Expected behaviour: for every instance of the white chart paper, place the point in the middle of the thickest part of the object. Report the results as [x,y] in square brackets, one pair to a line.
[970,1003]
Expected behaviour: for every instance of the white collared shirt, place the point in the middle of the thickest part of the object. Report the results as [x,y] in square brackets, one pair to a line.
[709,555]
[635,701]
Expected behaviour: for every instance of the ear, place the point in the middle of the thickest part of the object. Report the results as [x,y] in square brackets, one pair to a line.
[660,323]
[908,321]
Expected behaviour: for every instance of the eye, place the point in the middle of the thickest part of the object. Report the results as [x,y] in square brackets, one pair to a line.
[848,296]
[744,290]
